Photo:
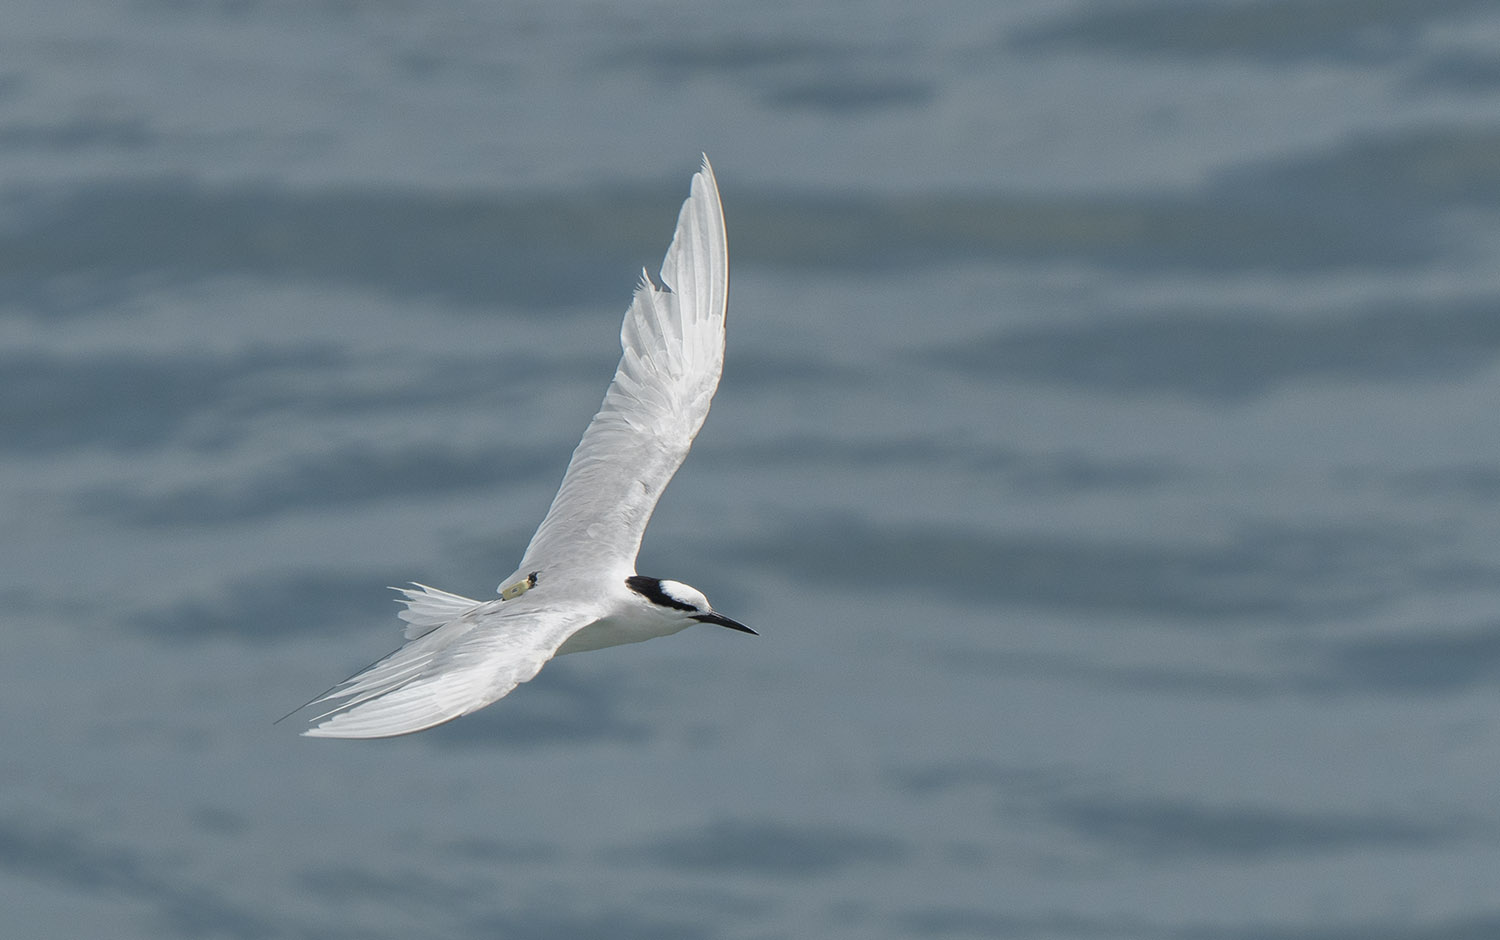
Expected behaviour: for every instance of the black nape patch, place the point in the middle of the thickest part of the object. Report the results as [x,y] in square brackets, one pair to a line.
[650,589]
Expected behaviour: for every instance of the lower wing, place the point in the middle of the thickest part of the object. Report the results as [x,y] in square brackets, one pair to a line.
[457,668]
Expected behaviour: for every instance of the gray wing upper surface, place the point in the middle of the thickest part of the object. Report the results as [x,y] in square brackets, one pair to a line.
[672,345]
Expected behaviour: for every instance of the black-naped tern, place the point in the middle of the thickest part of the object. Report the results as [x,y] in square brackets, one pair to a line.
[576,588]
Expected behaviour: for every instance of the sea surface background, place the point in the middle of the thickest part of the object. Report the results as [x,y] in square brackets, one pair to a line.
[1107,453]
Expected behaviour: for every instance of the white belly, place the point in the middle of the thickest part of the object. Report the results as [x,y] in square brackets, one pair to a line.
[617,631]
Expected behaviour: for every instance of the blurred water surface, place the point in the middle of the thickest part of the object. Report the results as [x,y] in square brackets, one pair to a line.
[1107,454]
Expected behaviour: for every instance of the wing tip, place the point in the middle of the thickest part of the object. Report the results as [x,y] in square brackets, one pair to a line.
[705,176]
[383,719]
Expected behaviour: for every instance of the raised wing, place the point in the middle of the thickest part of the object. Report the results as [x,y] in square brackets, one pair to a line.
[452,670]
[673,343]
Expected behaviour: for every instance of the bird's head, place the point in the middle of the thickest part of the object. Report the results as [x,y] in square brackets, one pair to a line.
[675,599]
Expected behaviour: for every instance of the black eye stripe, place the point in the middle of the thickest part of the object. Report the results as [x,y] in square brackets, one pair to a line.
[650,589]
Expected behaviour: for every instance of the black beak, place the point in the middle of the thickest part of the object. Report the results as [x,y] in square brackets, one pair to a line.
[723,621]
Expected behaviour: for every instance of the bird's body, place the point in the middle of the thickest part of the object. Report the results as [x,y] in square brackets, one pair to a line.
[576,588]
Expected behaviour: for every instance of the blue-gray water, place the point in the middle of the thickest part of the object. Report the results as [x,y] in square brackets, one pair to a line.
[1107,454]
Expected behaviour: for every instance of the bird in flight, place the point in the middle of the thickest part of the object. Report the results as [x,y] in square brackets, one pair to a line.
[576,588]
